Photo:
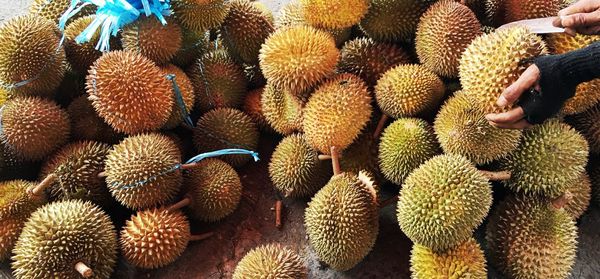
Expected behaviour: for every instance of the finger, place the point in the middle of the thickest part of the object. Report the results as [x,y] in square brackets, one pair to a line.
[580,20]
[512,116]
[522,124]
[527,80]
[570,31]
[582,6]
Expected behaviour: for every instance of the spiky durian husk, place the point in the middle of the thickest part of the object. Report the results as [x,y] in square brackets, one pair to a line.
[30,52]
[427,210]
[369,59]
[77,166]
[87,125]
[494,11]
[9,234]
[200,15]
[528,9]
[342,222]
[443,34]
[140,171]
[226,128]
[407,90]
[215,190]
[129,92]
[82,56]
[266,11]
[154,238]
[282,110]
[187,94]
[245,29]
[461,128]
[581,191]
[463,261]
[149,37]
[528,238]
[549,157]
[297,58]
[54,9]
[271,261]
[587,94]
[334,14]
[10,164]
[393,20]
[192,47]
[61,234]
[405,145]
[15,201]
[493,61]
[253,108]
[218,81]
[336,113]
[588,124]
[295,168]
[362,155]
[34,127]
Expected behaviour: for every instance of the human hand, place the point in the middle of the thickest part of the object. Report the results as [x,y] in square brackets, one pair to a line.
[582,17]
[515,118]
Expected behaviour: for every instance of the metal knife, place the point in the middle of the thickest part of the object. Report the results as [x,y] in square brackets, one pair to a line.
[538,25]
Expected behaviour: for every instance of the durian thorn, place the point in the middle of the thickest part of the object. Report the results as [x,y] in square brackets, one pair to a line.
[102,175]
[84,270]
[496,175]
[389,201]
[188,166]
[335,161]
[563,200]
[278,206]
[201,236]
[384,118]
[369,184]
[38,190]
[179,205]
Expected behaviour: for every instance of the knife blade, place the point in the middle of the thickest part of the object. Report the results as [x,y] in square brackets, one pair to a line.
[538,25]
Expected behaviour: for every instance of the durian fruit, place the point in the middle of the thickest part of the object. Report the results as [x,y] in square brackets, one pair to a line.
[461,128]
[266,11]
[297,58]
[342,220]
[595,179]
[295,168]
[254,76]
[149,37]
[154,238]
[369,59]
[588,124]
[408,90]
[82,56]
[31,53]
[188,95]
[65,240]
[581,191]
[494,61]
[362,155]
[34,127]
[199,16]
[245,29]
[463,261]
[282,110]
[527,9]
[53,9]
[336,113]
[140,171]
[530,238]
[549,157]
[76,167]
[494,12]
[87,125]
[9,234]
[218,81]
[215,190]
[253,108]
[405,145]
[71,87]
[443,33]
[271,261]
[226,128]
[10,164]
[193,46]
[587,94]
[334,14]
[443,201]
[129,92]
[393,20]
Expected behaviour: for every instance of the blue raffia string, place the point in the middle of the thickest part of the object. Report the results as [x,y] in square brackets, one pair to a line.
[180,102]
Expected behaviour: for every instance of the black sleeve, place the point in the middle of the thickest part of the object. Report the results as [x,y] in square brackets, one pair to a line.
[560,75]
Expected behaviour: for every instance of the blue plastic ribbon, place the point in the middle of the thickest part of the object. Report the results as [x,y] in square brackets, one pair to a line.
[180,102]
[112,15]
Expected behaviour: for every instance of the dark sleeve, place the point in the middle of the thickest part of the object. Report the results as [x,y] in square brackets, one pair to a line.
[559,77]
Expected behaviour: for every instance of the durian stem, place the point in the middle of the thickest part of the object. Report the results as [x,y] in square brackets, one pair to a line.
[335,161]
[496,175]
[84,270]
[384,118]
[102,175]
[324,157]
[278,206]
[179,205]
[563,200]
[188,166]
[38,190]
[201,236]
[389,201]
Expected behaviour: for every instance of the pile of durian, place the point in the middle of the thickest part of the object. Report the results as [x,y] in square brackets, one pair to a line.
[363,94]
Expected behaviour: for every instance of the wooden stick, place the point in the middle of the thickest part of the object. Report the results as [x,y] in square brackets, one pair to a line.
[102,175]
[335,161]
[179,205]
[324,157]
[38,190]
[201,236]
[84,270]
[389,201]
[563,200]
[384,118]
[278,205]
[496,175]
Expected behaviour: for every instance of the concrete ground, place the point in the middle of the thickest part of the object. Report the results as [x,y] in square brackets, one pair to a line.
[253,224]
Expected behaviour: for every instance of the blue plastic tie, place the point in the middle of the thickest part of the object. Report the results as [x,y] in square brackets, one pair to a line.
[180,102]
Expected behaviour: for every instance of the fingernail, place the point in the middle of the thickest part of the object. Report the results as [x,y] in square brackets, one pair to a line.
[502,101]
